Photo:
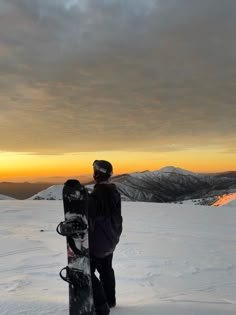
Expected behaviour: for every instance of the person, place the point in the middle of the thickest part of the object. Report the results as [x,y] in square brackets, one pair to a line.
[105,228]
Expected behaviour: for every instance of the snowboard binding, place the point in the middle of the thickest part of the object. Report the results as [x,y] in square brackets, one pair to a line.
[74,277]
[73,228]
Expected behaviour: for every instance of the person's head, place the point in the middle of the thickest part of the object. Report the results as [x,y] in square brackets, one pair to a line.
[102,170]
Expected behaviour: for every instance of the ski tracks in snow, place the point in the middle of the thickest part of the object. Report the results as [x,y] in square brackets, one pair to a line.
[171,260]
[20,251]
[155,262]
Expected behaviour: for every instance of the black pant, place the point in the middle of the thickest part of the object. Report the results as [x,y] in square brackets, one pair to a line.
[103,290]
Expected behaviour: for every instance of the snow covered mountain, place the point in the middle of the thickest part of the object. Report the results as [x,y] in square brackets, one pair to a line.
[3,197]
[173,184]
[169,184]
[52,193]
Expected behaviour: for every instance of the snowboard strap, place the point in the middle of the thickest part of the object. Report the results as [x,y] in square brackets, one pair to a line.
[72,228]
[74,277]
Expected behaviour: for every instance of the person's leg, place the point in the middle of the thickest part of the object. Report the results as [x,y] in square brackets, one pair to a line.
[100,301]
[107,277]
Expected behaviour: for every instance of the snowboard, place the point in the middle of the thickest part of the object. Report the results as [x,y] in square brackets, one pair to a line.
[75,229]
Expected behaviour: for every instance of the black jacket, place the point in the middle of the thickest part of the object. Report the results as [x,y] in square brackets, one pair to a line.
[105,220]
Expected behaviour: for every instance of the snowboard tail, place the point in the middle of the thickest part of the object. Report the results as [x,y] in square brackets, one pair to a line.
[75,228]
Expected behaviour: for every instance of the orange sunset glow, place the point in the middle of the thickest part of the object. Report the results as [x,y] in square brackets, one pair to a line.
[21,167]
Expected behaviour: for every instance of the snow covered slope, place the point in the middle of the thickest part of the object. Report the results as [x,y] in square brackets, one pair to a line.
[3,197]
[225,199]
[51,193]
[216,201]
[172,260]
[231,204]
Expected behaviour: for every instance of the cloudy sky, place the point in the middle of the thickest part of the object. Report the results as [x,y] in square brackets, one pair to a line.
[150,80]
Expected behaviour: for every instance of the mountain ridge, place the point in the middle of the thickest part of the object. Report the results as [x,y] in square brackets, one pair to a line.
[169,184]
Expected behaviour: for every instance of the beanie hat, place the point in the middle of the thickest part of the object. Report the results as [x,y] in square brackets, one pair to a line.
[102,170]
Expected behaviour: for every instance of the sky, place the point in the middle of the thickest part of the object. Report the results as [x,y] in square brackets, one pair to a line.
[142,83]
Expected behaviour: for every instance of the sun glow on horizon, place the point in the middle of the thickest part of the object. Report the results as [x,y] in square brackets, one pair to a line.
[28,165]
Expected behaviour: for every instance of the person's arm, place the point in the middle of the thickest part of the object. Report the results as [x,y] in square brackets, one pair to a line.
[93,204]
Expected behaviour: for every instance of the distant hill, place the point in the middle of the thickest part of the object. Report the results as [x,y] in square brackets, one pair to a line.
[227,174]
[22,190]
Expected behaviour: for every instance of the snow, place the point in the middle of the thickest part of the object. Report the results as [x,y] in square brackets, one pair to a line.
[165,171]
[51,193]
[231,204]
[173,169]
[226,199]
[171,260]
[4,197]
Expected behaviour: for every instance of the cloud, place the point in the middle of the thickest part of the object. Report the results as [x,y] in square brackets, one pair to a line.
[112,74]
